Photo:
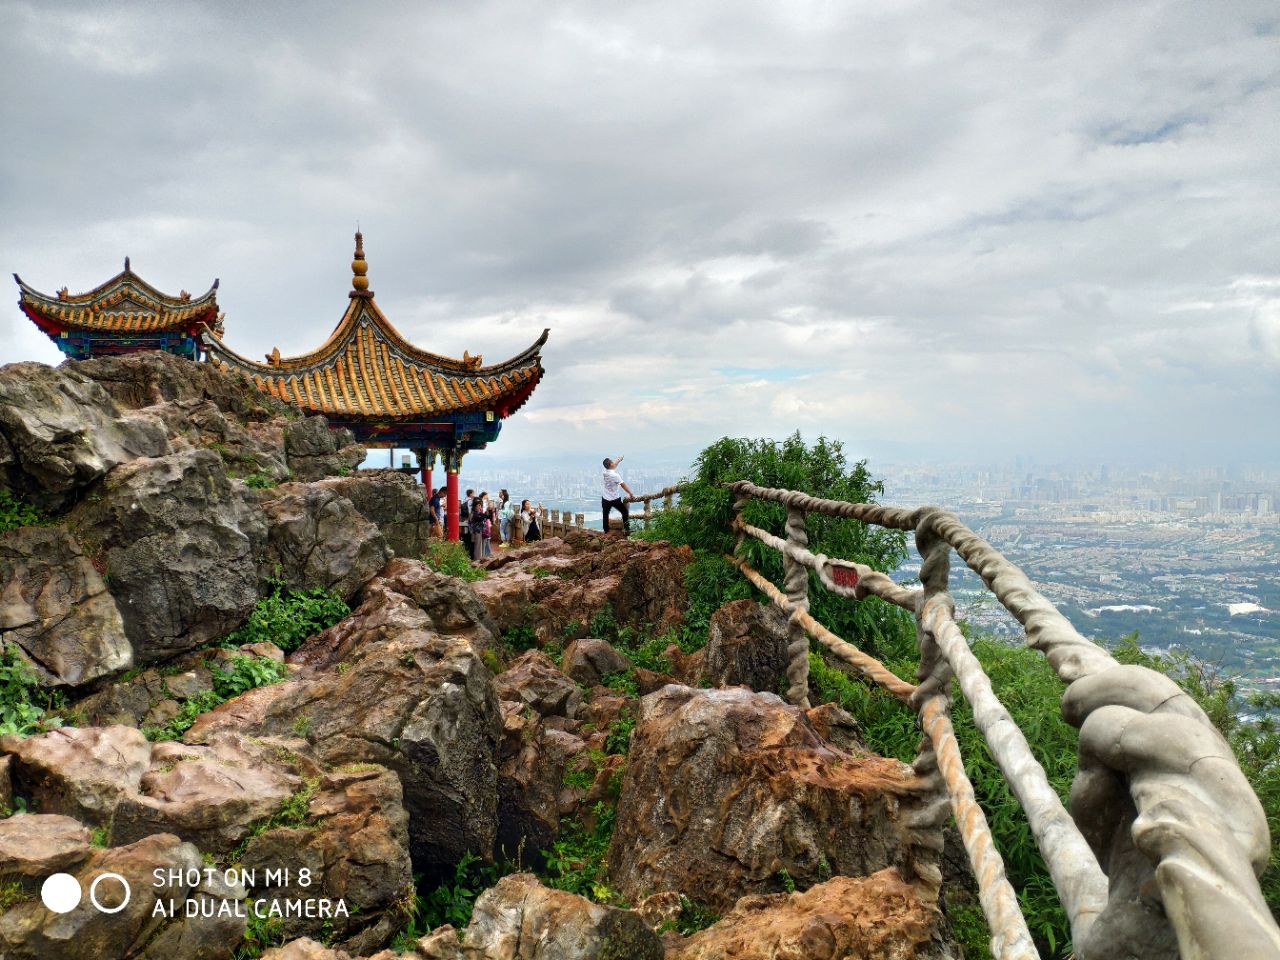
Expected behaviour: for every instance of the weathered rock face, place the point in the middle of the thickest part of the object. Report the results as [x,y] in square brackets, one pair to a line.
[154,696]
[451,605]
[315,538]
[223,410]
[28,931]
[182,545]
[408,699]
[642,582]
[394,502]
[588,661]
[32,846]
[519,919]
[144,379]
[873,918]
[314,451]
[747,646]
[531,765]
[79,772]
[253,448]
[55,607]
[725,788]
[533,679]
[59,432]
[354,841]
[210,795]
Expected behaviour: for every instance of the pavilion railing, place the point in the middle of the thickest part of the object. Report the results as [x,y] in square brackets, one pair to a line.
[667,495]
[1161,852]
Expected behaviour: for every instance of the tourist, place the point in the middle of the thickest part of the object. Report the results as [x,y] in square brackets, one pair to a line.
[611,498]
[464,512]
[529,522]
[506,510]
[436,508]
[481,527]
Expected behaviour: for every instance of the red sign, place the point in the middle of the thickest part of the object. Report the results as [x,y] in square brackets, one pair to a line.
[844,576]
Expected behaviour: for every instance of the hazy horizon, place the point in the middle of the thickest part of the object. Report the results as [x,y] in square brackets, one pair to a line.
[933,230]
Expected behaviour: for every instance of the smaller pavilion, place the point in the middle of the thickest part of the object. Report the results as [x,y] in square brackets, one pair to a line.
[389,393]
[123,315]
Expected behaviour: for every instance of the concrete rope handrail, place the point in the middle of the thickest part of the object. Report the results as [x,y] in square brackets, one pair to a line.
[1155,777]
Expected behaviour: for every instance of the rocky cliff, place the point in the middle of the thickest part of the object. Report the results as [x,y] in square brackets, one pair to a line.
[248,720]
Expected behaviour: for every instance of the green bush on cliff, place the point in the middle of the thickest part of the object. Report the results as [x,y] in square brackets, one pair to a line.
[288,617]
[451,558]
[15,512]
[20,698]
[821,470]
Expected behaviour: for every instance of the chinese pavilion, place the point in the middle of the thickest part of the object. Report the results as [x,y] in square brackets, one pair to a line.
[370,379]
[122,315]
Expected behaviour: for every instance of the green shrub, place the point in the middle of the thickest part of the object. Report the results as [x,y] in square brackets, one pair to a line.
[15,512]
[286,618]
[576,861]
[451,558]
[24,706]
[260,481]
[520,638]
[820,470]
[244,673]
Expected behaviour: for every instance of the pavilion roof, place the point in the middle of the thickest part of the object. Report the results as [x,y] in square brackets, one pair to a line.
[366,370]
[124,304]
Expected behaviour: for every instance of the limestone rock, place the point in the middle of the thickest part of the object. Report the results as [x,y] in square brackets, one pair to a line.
[245,448]
[836,726]
[407,698]
[182,546]
[726,788]
[588,661]
[315,451]
[305,948]
[316,538]
[54,605]
[519,919]
[531,765]
[747,646]
[355,843]
[61,432]
[879,917]
[28,931]
[532,678]
[79,772]
[32,846]
[209,795]
[391,500]
[450,604]
[641,582]
[144,379]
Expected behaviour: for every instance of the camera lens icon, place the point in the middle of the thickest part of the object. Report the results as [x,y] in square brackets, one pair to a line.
[61,892]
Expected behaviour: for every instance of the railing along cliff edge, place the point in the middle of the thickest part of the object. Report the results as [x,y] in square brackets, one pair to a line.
[1161,852]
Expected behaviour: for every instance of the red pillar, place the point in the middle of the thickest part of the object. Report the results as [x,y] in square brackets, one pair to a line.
[452,461]
[427,460]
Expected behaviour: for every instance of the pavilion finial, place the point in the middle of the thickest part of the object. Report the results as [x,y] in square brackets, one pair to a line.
[359,268]
[126,264]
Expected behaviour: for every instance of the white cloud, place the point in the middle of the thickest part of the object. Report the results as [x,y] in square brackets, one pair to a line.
[992,226]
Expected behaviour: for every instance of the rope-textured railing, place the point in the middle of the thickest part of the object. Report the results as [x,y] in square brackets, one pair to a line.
[1155,778]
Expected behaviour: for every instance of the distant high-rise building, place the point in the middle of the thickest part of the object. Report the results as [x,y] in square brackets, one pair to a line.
[1264,504]
[1215,501]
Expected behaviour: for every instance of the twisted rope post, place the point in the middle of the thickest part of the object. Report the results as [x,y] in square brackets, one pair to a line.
[1010,938]
[796,578]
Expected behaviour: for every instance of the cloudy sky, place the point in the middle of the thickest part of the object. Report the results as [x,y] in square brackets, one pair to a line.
[926,228]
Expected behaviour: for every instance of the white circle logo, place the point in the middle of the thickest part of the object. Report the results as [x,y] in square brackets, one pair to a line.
[61,892]
[93,892]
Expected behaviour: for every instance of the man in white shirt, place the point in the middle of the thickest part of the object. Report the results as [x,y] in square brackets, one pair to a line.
[611,497]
